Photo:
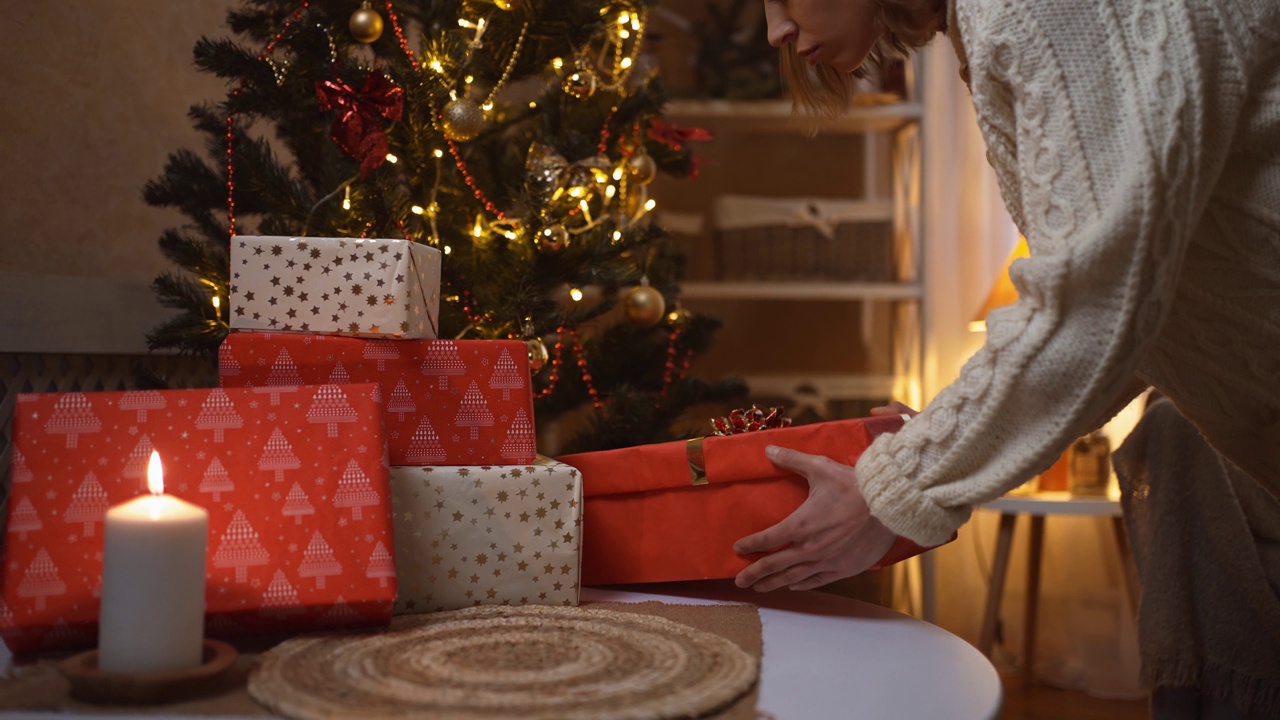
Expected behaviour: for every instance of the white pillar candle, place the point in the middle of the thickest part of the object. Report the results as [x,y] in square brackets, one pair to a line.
[152,617]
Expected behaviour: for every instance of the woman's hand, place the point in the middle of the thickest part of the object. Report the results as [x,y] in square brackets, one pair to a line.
[830,536]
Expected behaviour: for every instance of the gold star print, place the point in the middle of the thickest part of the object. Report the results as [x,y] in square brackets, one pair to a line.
[491,593]
[548,568]
[536,482]
[481,559]
[502,557]
[437,559]
[453,573]
[457,516]
[502,496]
[557,586]
[522,566]
[559,524]
[475,579]
[555,504]
[568,537]
[518,548]
[564,569]
[497,572]
[524,517]
[479,483]
[408,516]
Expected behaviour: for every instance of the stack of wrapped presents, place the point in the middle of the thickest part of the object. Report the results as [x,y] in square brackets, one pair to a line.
[352,464]
[355,466]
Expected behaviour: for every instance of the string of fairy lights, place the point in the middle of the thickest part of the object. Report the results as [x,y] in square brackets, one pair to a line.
[573,198]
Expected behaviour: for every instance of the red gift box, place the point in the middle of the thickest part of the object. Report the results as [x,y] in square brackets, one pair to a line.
[449,402]
[672,511]
[297,491]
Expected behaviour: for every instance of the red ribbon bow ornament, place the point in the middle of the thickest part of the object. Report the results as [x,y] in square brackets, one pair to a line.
[358,129]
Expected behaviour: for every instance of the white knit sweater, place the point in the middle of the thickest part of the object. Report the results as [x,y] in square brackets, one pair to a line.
[1137,145]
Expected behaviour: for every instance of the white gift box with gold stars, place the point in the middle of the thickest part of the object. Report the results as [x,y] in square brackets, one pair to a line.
[362,287]
[486,535]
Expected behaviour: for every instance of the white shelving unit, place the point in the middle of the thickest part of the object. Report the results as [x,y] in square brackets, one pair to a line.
[891,140]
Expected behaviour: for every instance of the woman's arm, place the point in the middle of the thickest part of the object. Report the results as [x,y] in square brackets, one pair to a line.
[1098,123]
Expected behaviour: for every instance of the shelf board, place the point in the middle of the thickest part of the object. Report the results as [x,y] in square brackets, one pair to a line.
[775,115]
[800,290]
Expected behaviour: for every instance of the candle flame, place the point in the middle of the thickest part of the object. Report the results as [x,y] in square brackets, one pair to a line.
[155,474]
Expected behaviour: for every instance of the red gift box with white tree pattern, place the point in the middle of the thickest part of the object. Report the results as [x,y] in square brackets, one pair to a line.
[449,402]
[295,482]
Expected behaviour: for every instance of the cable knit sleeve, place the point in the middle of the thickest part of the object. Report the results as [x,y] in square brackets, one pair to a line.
[1094,115]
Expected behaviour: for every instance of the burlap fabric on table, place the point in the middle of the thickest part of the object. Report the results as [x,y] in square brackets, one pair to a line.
[38,686]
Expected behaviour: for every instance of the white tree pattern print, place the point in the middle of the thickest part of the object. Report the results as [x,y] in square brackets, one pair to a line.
[240,548]
[73,416]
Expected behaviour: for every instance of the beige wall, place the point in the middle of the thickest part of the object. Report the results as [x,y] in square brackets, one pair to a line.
[95,98]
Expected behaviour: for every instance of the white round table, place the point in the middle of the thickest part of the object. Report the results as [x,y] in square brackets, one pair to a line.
[827,656]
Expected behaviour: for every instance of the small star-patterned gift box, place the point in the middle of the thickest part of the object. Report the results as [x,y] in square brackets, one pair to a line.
[362,287]
[294,480]
[486,535]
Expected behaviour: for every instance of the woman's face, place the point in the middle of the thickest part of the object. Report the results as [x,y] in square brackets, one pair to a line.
[838,33]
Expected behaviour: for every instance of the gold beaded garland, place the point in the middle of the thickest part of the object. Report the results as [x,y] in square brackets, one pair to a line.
[365,24]
[463,119]
[580,84]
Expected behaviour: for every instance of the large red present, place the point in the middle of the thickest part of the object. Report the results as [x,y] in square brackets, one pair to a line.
[295,483]
[449,402]
[672,511]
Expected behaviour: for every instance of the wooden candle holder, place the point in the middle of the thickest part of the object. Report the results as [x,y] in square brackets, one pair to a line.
[90,684]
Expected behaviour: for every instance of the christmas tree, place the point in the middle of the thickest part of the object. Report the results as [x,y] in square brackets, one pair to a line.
[516,136]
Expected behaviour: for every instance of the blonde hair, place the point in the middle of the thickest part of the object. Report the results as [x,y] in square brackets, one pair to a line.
[823,90]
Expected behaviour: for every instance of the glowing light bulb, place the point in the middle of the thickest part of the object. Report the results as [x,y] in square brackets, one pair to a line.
[617,235]
[468,79]
[346,198]
[610,191]
[447,249]
[392,159]
[624,34]
[617,174]
[557,63]
[651,204]
[624,18]
[478,230]
[626,63]
[577,191]
[438,153]
[417,210]
[487,106]
[533,105]
[576,294]
[435,65]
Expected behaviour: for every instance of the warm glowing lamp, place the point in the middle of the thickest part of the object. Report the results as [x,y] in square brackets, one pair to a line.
[1002,291]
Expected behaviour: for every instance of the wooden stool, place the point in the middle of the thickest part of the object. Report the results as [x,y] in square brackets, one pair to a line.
[1038,506]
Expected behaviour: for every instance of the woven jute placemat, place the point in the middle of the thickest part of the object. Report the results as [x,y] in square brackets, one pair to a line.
[603,660]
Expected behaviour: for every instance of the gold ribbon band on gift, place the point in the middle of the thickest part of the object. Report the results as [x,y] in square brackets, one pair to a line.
[697,461]
[738,421]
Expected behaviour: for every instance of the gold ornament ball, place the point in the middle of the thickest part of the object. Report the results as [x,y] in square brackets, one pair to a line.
[580,84]
[642,168]
[537,355]
[645,306]
[365,24]
[463,119]
[552,238]
[679,316]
